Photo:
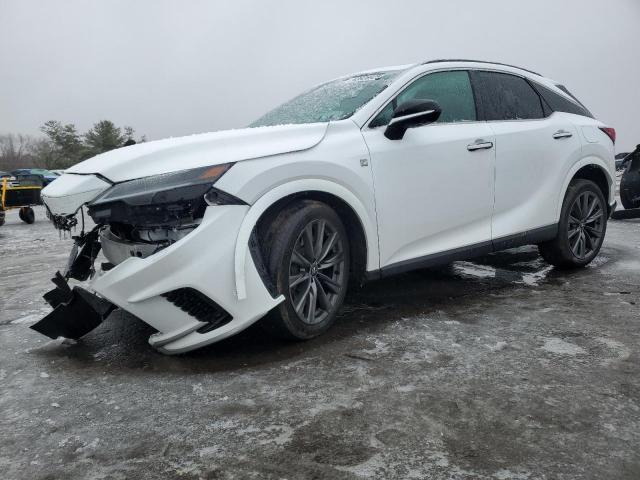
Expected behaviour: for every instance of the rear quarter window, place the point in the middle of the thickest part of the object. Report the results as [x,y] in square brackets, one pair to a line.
[559,103]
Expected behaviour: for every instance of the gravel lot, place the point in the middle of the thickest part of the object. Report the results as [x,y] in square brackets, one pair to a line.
[500,369]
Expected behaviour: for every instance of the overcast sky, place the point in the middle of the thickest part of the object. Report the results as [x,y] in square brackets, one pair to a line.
[170,68]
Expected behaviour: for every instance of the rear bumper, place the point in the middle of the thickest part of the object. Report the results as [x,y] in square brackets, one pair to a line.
[202,261]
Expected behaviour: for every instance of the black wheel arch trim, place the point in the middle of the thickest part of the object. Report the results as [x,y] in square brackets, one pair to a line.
[261,267]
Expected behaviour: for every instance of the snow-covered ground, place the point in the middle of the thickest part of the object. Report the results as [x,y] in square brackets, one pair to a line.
[497,368]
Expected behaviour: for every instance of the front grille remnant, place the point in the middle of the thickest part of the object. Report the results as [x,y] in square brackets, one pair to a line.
[199,306]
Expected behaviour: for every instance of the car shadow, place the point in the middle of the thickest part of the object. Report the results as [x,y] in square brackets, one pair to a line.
[120,343]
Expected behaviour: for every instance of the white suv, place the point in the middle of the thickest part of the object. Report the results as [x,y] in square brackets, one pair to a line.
[362,177]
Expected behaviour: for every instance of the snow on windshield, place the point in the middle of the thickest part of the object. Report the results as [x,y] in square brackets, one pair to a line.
[335,100]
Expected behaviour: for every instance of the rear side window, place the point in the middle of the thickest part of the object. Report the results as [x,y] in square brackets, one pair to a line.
[452,90]
[558,103]
[508,97]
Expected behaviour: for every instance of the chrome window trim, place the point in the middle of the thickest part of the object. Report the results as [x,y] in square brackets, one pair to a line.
[395,120]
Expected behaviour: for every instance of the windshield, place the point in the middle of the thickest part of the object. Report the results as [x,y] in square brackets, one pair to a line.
[335,100]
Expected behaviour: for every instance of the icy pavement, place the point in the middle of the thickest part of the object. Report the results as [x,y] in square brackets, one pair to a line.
[498,368]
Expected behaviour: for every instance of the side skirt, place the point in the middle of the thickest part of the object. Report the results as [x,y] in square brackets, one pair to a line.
[530,237]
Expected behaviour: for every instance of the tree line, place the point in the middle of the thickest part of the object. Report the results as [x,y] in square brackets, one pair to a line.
[62,145]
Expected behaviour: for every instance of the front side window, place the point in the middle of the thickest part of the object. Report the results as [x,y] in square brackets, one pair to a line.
[452,90]
[335,100]
[508,97]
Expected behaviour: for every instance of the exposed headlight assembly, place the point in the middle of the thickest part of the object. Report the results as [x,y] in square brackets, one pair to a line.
[170,199]
[164,187]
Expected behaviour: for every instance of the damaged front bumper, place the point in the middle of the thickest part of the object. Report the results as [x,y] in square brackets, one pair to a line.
[186,290]
[75,311]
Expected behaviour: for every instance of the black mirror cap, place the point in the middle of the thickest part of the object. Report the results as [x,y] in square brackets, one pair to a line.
[412,113]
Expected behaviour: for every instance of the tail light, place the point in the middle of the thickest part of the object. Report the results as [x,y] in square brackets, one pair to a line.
[611,133]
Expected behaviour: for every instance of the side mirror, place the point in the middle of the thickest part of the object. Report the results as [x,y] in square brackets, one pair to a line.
[412,113]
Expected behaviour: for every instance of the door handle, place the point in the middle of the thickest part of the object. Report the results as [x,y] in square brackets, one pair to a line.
[562,134]
[479,144]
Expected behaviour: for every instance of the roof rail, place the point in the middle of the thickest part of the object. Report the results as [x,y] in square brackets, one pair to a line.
[479,61]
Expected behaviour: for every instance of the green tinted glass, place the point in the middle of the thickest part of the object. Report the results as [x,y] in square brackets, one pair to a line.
[335,100]
[452,90]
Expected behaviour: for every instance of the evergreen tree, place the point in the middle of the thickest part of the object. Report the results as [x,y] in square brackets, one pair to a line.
[105,136]
[66,144]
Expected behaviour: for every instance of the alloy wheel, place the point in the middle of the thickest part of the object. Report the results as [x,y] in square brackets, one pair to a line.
[586,224]
[316,271]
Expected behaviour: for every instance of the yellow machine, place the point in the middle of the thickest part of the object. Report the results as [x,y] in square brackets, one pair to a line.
[23,196]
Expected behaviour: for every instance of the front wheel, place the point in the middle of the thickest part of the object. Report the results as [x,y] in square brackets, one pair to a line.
[27,215]
[309,264]
[582,226]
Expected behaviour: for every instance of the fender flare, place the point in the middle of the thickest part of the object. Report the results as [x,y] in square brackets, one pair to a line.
[282,191]
[584,162]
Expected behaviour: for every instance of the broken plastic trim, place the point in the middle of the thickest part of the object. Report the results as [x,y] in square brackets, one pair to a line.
[64,223]
[80,264]
[75,312]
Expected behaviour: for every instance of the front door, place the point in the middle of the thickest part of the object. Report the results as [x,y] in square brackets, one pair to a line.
[434,187]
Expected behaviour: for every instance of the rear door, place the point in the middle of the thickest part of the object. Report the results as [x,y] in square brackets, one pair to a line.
[534,149]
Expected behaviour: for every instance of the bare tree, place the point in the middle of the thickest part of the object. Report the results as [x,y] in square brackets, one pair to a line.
[45,155]
[16,151]
[62,145]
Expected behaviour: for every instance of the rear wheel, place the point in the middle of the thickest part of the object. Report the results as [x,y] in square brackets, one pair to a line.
[27,215]
[582,226]
[309,263]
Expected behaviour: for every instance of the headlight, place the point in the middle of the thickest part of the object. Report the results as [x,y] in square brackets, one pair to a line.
[164,188]
[171,199]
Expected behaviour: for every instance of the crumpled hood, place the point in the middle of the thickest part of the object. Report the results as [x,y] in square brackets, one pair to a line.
[173,154]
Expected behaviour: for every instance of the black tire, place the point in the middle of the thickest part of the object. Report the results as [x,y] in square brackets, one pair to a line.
[627,201]
[2,218]
[27,215]
[563,251]
[288,233]
[630,184]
